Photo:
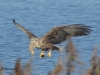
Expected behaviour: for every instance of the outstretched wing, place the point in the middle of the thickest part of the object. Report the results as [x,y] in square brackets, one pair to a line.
[59,34]
[29,34]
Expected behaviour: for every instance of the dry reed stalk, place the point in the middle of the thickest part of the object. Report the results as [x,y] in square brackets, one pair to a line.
[98,67]
[18,67]
[71,55]
[58,68]
[26,70]
[71,49]
[95,63]
[1,71]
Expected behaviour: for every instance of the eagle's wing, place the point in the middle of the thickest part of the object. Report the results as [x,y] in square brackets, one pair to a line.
[59,34]
[29,34]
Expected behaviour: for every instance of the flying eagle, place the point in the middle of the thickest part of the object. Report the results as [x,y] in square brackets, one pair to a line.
[55,36]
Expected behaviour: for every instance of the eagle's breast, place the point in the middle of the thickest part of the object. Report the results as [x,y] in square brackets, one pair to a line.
[36,42]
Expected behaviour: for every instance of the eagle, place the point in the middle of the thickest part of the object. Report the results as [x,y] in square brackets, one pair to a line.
[57,35]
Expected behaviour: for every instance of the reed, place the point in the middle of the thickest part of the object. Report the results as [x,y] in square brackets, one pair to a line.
[58,69]
[71,56]
[95,63]
[1,71]
[23,70]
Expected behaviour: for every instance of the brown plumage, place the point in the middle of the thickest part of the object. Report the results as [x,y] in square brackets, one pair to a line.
[56,36]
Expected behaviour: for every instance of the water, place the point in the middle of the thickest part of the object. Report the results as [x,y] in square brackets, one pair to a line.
[39,16]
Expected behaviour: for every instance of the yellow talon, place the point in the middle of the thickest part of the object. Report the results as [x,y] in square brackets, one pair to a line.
[32,52]
[49,54]
[42,54]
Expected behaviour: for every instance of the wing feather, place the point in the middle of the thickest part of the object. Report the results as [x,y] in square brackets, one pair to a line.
[29,34]
[59,34]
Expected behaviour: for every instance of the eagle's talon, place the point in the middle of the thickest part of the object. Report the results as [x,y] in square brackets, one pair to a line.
[42,54]
[32,52]
[49,54]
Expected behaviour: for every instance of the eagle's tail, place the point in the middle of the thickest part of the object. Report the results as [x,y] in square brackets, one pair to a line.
[59,48]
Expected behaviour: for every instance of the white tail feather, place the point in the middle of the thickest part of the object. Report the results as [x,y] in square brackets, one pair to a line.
[60,48]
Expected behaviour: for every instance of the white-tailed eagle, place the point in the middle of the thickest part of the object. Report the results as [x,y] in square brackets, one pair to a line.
[55,36]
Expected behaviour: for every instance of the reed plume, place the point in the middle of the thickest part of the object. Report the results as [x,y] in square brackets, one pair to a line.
[1,69]
[95,63]
[23,70]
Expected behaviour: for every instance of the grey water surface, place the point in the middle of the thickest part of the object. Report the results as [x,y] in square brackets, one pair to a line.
[39,16]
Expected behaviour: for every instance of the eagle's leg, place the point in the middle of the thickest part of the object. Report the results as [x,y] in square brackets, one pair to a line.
[50,53]
[42,54]
[32,52]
